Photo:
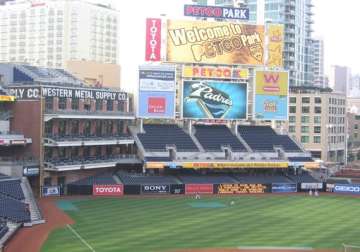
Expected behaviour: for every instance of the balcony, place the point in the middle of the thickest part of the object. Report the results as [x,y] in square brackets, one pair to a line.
[76,114]
[93,162]
[81,140]
[13,139]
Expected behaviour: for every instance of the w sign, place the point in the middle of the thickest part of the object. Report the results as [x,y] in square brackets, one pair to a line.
[271,78]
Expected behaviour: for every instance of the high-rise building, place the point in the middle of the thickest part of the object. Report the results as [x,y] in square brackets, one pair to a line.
[340,79]
[318,63]
[296,15]
[55,33]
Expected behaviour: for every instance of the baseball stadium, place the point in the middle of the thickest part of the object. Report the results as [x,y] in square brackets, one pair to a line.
[196,160]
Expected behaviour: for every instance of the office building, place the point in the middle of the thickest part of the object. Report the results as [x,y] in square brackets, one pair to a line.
[317,119]
[56,33]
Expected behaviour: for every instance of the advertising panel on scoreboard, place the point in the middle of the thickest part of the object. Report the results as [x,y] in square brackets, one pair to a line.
[156,92]
[214,100]
[153,39]
[215,42]
[271,95]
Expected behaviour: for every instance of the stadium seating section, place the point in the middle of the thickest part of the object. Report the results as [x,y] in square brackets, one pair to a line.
[100,179]
[12,206]
[157,137]
[264,138]
[213,137]
[142,179]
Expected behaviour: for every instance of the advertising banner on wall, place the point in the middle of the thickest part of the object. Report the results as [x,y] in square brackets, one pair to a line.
[271,95]
[283,188]
[225,165]
[215,42]
[347,188]
[214,100]
[108,190]
[153,39]
[216,12]
[212,72]
[156,92]
[199,188]
[275,46]
[154,189]
[241,188]
[51,191]
[305,186]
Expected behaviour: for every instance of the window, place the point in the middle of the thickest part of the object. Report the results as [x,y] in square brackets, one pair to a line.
[62,128]
[317,119]
[74,104]
[305,100]
[75,127]
[121,106]
[292,119]
[305,110]
[292,129]
[355,135]
[317,139]
[292,109]
[62,103]
[49,103]
[305,119]
[98,105]
[292,99]
[317,110]
[317,129]
[317,100]
[304,129]
[304,139]
[109,105]
[356,126]
[87,104]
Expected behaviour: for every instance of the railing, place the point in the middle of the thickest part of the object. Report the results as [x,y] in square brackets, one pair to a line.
[89,160]
[85,112]
[65,138]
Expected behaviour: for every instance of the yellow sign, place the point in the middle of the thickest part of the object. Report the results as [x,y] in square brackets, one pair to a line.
[215,72]
[311,165]
[215,42]
[275,47]
[223,165]
[7,98]
[272,83]
[241,188]
[154,165]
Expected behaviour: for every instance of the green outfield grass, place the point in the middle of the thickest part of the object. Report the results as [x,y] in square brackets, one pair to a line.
[160,224]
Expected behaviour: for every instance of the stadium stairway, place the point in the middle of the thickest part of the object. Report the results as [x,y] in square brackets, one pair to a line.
[35,214]
[13,227]
[117,179]
[197,143]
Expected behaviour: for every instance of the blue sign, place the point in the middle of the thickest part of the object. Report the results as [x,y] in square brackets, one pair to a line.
[216,12]
[156,92]
[283,188]
[214,100]
[347,188]
[271,107]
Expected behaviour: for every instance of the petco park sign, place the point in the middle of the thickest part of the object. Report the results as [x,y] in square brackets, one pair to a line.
[216,12]
[108,190]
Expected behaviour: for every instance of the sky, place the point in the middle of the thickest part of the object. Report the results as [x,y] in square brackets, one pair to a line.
[334,21]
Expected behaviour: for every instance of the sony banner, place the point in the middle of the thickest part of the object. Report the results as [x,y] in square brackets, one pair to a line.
[108,190]
[155,189]
[199,189]
[31,93]
[347,188]
[305,186]
[153,39]
[283,188]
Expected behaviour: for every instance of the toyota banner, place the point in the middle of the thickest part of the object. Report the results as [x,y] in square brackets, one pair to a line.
[108,190]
